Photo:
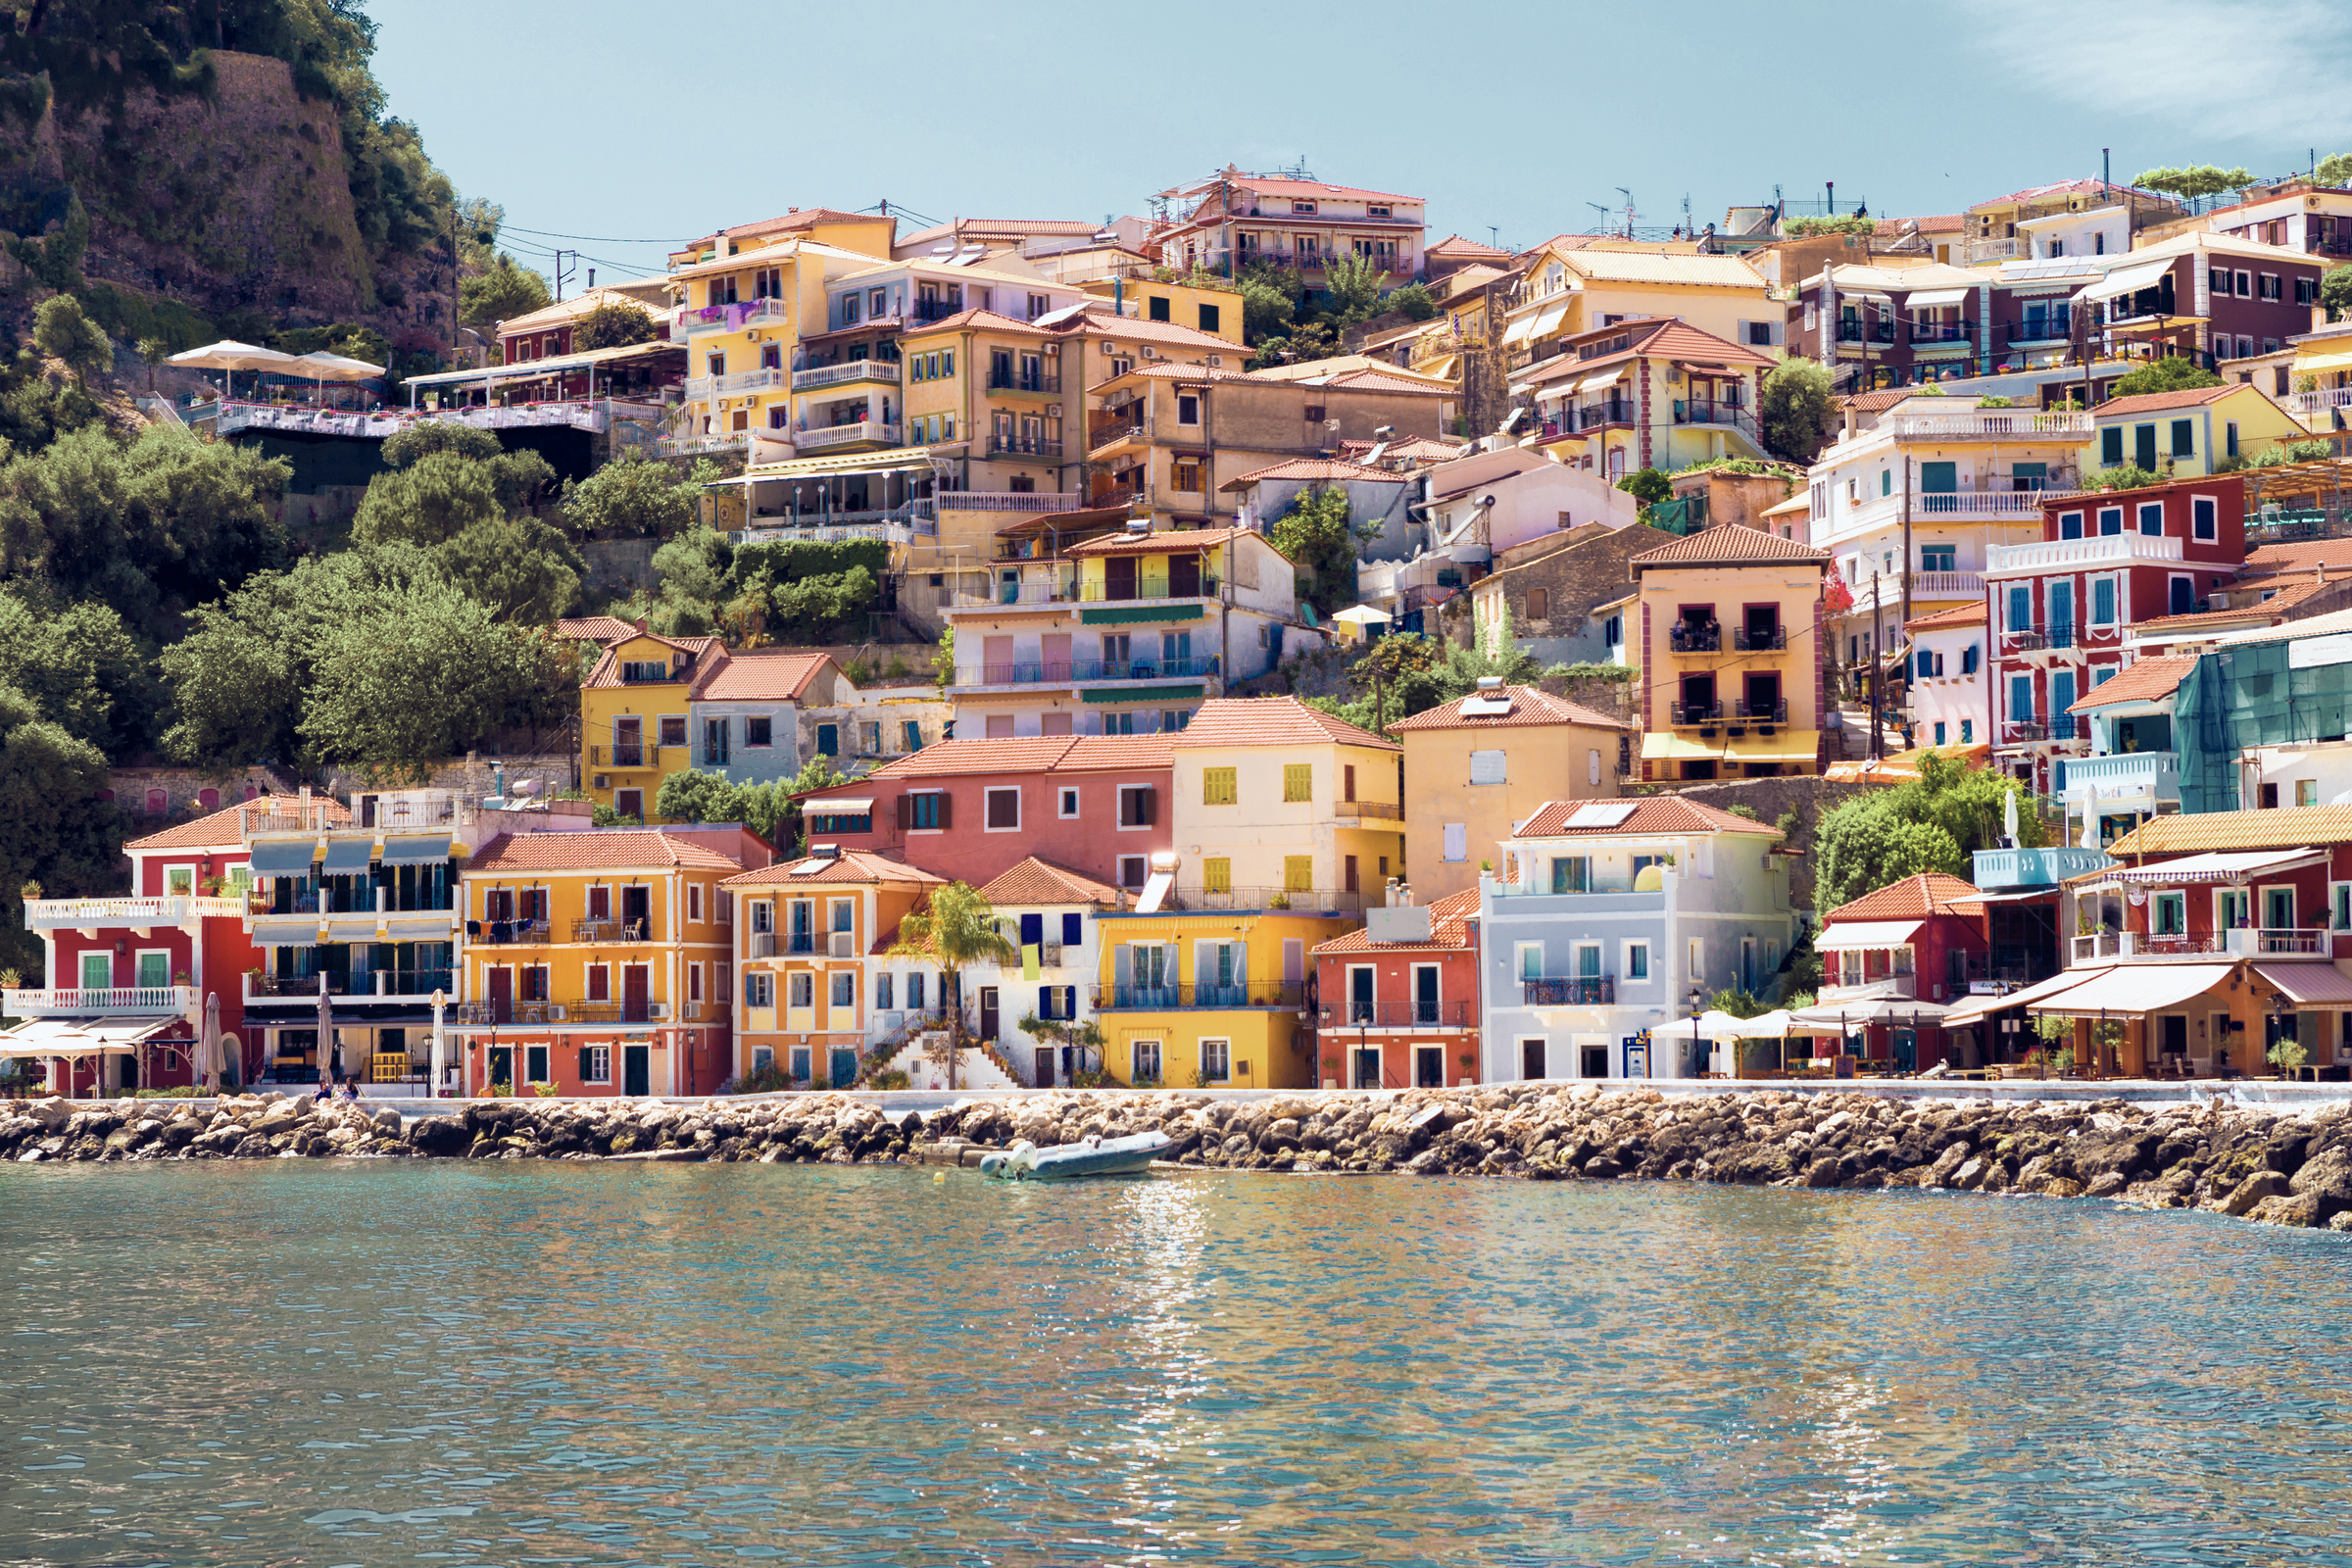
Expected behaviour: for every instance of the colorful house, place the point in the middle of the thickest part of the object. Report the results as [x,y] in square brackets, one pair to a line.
[1648,394]
[755,717]
[1235,221]
[1898,958]
[636,713]
[1049,913]
[1570,291]
[1398,1002]
[2183,435]
[1949,690]
[601,962]
[1210,996]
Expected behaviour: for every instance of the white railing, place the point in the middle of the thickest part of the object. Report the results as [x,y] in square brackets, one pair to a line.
[2335,397]
[892,531]
[234,416]
[846,370]
[2113,549]
[1998,250]
[1947,585]
[682,446]
[1035,502]
[76,914]
[42,1003]
[843,435]
[2123,773]
[533,415]
[1987,502]
[748,381]
[2011,422]
[687,319]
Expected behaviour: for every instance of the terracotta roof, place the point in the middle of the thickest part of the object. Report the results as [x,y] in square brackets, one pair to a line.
[1369,381]
[1272,721]
[2284,597]
[1663,267]
[1456,245]
[1101,323]
[1313,470]
[2064,187]
[1945,619]
[571,309]
[1036,881]
[2265,560]
[2155,402]
[1022,755]
[1664,339]
[1936,223]
[1161,370]
[1651,814]
[1877,402]
[758,677]
[606,672]
[984,320]
[2194,833]
[1001,228]
[223,829]
[1266,186]
[1914,898]
[594,628]
[1727,544]
[1530,706]
[1160,541]
[1449,928]
[1416,449]
[859,867]
[2142,681]
[628,848]
[805,217]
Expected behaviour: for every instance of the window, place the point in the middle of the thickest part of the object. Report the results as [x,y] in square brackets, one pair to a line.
[844,988]
[1593,766]
[1486,767]
[1216,1061]
[758,729]
[1217,786]
[1939,557]
[1456,843]
[2021,609]
[2169,914]
[1940,732]
[915,984]
[1132,871]
[1571,873]
[1069,803]
[2307,792]
[1968,660]
[1698,957]
[1157,308]
[926,813]
[1184,475]
[673,729]
[155,970]
[629,804]
[2151,519]
[1073,928]
[2204,517]
[758,989]
[599,982]
[694,901]
[2102,602]
[2184,438]
[1217,873]
[1210,318]
[1138,805]
[802,989]
[1297,874]
[1003,809]
[1188,408]
[828,740]
[1967,731]
[1298,781]
[1636,960]
[1886,481]
[2111,519]
[2111,446]
[2339,903]
[596,1064]
[179,881]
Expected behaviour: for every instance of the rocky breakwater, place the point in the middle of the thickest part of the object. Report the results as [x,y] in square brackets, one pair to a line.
[2278,1166]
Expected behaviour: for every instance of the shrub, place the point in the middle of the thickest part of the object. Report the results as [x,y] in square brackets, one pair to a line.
[893,1079]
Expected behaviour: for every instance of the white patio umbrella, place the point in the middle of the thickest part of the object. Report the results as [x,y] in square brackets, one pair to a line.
[227,356]
[207,1049]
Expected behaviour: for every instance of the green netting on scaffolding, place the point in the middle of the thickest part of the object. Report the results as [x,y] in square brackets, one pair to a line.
[2251,697]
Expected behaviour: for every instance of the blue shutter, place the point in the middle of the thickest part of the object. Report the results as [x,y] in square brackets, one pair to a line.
[1968,660]
[1033,930]
[1074,929]
[2021,609]
[2021,697]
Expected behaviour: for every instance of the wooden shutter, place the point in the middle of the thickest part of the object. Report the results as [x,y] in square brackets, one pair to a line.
[947,810]
[584,1065]
[906,812]
[1145,800]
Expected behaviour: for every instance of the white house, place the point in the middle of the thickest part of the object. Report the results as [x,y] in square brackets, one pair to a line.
[1951,695]
[1048,912]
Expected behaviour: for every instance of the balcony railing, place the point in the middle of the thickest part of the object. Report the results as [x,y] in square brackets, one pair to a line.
[513,933]
[601,931]
[819,375]
[1891,983]
[1031,502]
[497,1013]
[1774,711]
[2156,774]
[2034,869]
[686,446]
[1858,332]
[626,757]
[2020,731]
[84,914]
[1374,810]
[1759,640]
[1592,415]
[688,319]
[2319,402]
[1942,331]
[1400,1015]
[37,1002]
[2057,327]
[844,435]
[1732,415]
[1569,991]
[357,983]
[1304,901]
[1948,584]
[1023,446]
[2008,422]
[1289,995]
[2272,942]
[1066,672]
[1682,639]
[1694,713]
[1024,382]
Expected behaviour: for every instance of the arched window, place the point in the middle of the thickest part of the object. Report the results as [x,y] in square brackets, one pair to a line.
[209,799]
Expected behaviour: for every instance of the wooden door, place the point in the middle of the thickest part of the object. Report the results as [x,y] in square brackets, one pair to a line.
[987,1012]
[635,1004]
[628,743]
[1041,1076]
[501,996]
[1118,577]
[636,1069]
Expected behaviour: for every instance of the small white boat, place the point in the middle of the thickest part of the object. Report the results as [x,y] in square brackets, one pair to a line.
[1024,1162]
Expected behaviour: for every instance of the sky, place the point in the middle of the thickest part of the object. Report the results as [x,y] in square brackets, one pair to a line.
[620,131]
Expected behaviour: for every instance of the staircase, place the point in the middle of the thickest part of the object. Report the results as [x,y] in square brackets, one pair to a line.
[976,1067]
[1854,734]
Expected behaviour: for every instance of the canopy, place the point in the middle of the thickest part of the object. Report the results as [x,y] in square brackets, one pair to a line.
[1929,297]
[1661,745]
[2129,990]
[2309,984]
[1870,294]
[1975,1008]
[1781,1024]
[82,1037]
[2126,280]
[2233,866]
[1853,936]
[1796,746]
[347,857]
[425,850]
[1604,378]
[1712,1024]
[1363,614]
[299,931]
[227,355]
[2339,361]
[910,458]
[333,367]
[1549,318]
[283,856]
[536,369]
[1859,1011]
[837,805]
[418,930]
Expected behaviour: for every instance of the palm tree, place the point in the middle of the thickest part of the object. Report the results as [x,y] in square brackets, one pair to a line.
[958,927]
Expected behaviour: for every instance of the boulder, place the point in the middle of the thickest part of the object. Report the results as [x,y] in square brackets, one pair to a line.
[50,1113]
[2301,1212]
[441,1136]
[2327,1181]
[2252,1190]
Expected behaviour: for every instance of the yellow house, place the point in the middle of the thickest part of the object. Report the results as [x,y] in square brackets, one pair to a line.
[634,706]
[598,959]
[1282,806]
[1213,310]
[2181,435]
[812,937]
[1477,767]
[1729,644]
[1563,293]
[1212,996]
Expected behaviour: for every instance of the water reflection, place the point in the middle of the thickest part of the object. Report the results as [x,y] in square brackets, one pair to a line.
[459,1363]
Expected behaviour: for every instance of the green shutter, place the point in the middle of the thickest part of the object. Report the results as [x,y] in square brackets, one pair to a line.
[1126,614]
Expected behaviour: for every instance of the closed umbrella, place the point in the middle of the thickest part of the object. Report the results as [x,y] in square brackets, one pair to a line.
[330,1049]
[208,1049]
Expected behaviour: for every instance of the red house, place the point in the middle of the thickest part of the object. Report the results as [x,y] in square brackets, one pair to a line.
[972,810]
[1898,958]
[2058,607]
[1399,1003]
[137,968]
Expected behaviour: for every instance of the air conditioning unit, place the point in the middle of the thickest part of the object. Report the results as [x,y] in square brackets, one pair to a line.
[657,1011]
[1216,361]
[1145,351]
[603,781]
[1053,411]
[554,1012]
[751,336]
[1053,351]
[842,944]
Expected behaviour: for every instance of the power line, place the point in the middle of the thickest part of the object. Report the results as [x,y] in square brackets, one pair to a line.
[593,239]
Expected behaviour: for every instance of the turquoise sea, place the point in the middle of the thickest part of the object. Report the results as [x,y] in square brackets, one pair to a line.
[321,1363]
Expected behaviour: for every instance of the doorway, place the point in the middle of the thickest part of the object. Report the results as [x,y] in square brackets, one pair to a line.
[1595,1063]
[502,1065]
[987,1012]
[636,913]
[1368,1066]
[501,996]
[1531,1058]
[637,1071]
[635,1005]
[845,1066]
[1429,1066]
[1041,1074]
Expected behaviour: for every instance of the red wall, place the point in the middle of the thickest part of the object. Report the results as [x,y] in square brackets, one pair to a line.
[967,851]
[1392,986]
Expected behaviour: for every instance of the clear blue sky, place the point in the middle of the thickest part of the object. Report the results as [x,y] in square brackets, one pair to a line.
[644,126]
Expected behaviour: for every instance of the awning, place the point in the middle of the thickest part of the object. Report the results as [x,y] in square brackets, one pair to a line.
[1863,934]
[1791,748]
[2126,280]
[347,857]
[422,851]
[355,928]
[82,1037]
[419,930]
[1604,378]
[1975,1008]
[1127,615]
[1143,694]
[832,807]
[2235,867]
[1862,1010]
[1662,746]
[1930,297]
[1871,295]
[1519,331]
[295,931]
[2309,984]
[283,856]
[2324,361]
[911,459]
[2026,897]
[2129,990]
[534,369]
[1549,320]
[1155,892]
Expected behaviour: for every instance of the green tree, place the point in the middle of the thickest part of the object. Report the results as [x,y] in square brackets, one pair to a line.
[612,325]
[154,351]
[54,829]
[1412,302]
[2125,477]
[409,445]
[1353,284]
[2197,179]
[35,409]
[83,670]
[62,331]
[431,501]
[2278,453]
[1649,486]
[632,498]
[2333,169]
[501,292]
[1794,409]
[1933,822]
[691,797]
[1320,541]
[1808,228]
[523,571]
[53,261]
[2335,291]
[957,927]
[1270,297]
[2175,372]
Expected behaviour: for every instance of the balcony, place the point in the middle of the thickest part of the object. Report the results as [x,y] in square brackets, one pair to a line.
[1301,901]
[1369,811]
[508,933]
[1029,503]
[1947,585]
[35,1002]
[1694,713]
[1683,639]
[886,371]
[1854,330]
[1988,503]
[1759,640]
[1290,996]
[687,446]
[1569,991]
[1927,332]
[1775,712]
[2270,941]
[1400,1015]
[1064,672]
[2120,777]
[2024,732]
[1047,381]
[2057,327]
[1593,415]
[138,914]
[2007,425]
[597,932]
[1895,983]
[1025,446]
[626,757]
[686,320]
[403,983]
[2321,401]
[576,1014]
[1105,436]
[855,433]
[2034,868]
[2061,555]
[1729,415]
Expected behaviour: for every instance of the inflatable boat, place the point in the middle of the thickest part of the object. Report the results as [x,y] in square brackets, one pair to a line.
[1024,1162]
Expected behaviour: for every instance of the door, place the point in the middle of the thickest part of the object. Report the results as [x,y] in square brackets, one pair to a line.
[2277,909]
[637,1070]
[1531,1058]
[1698,697]
[1424,992]
[628,743]
[1367,1067]
[987,1012]
[1429,1066]
[1763,697]
[714,742]
[996,659]
[1939,479]
[1184,576]
[1359,996]
[1055,650]
[2184,592]
[845,1066]
[636,913]
[636,1006]
[1041,1072]
[501,996]
[1118,577]
[2062,617]
[502,1065]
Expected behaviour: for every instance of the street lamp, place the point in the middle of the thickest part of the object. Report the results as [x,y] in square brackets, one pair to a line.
[1697,1000]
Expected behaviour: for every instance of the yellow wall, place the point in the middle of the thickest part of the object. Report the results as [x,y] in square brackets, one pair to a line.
[1261,830]
[1269,1046]
[1541,763]
[2260,423]
[1184,303]
[875,910]
[650,702]
[1793,587]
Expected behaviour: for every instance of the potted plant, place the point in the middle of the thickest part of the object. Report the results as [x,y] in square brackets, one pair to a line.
[2288,1056]
[1469,1064]
[1280,901]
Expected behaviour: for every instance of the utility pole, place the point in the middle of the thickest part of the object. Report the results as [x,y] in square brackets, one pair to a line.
[1907,535]
[563,272]
[1878,673]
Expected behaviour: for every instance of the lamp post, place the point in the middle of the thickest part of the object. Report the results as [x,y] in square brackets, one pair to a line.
[1697,998]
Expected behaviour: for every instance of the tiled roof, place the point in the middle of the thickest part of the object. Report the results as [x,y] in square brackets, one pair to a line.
[1416,449]
[1449,927]
[2284,598]
[1160,541]
[1373,381]
[626,848]
[1729,544]
[1651,814]
[999,228]
[1312,471]
[1877,402]
[571,309]
[1530,706]
[1272,721]
[2194,833]
[857,866]
[983,320]
[2265,560]
[2195,396]
[805,217]
[1456,245]
[1310,190]
[1025,755]
[1947,619]
[594,628]
[758,677]
[223,829]
[1914,898]
[1036,881]
[1102,324]
[606,672]
[2142,681]
[1663,267]
[1161,370]
[1666,339]
[1936,223]
[2064,187]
